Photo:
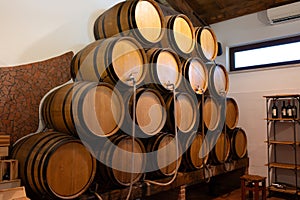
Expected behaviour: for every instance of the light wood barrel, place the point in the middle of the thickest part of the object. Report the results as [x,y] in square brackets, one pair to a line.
[195,73]
[238,139]
[206,43]
[54,165]
[113,60]
[232,113]
[220,148]
[187,113]
[211,114]
[218,81]
[180,34]
[85,109]
[117,154]
[141,19]
[164,69]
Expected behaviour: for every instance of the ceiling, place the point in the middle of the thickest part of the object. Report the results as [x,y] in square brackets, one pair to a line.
[205,12]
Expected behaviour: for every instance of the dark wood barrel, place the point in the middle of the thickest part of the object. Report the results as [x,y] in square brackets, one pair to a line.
[115,161]
[165,159]
[195,74]
[220,147]
[212,114]
[196,155]
[141,19]
[206,43]
[218,81]
[113,60]
[187,113]
[238,140]
[164,68]
[232,113]
[180,34]
[54,165]
[85,109]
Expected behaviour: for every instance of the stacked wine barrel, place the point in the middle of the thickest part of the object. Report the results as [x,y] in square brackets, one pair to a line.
[146,98]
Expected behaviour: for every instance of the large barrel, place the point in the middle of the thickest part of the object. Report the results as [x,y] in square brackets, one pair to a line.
[238,139]
[54,165]
[141,19]
[232,113]
[164,69]
[206,43]
[187,113]
[150,112]
[115,161]
[212,114]
[195,74]
[180,34]
[85,109]
[113,60]
[220,147]
[218,81]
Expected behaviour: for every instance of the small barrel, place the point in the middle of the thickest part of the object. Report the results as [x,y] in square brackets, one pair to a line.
[113,60]
[85,109]
[164,161]
[180,34]
[238,140]
[187,113]
[54,165]
[115,161]
[206,43]
[150,112]
[232,113]
[212,114]
[195,75]
[164,69]
[220,147]
[218,81]
[141,19]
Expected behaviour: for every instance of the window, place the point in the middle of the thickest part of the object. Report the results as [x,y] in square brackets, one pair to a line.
[265,54]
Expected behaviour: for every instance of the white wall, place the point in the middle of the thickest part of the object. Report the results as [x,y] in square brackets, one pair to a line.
[34,30]
[248,88]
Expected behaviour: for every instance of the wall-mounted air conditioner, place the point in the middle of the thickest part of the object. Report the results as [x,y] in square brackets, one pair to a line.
[284,13]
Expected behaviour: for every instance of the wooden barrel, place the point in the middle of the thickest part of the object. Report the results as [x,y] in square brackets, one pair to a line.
[195,73]
[54,165]
[196,154]
[206,43]
[113,60]
[150,112]
[238,140]
[165,160]
[180,34]
[212,114]
[232,113]
[187,113]
[115,161]
[220,147]
[218,81]
[85,109]
[164,69]
[141,19]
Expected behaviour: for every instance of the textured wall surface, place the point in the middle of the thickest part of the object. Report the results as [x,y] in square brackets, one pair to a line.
[22,88]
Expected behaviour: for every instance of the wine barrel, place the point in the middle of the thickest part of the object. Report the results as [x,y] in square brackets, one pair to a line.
[164,69]
[113,60]
[115,161]
[141,19]
[218,81]
[212,114]
[220,147]
[195,73]
[187,113]
[85,109]
[54,165]
[180,34]
[150,112]
[206,43]
[238,139]
[196,155]
[165,158]
[232,113]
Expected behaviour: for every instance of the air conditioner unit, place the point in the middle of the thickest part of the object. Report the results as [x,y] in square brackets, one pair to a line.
[284,13]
